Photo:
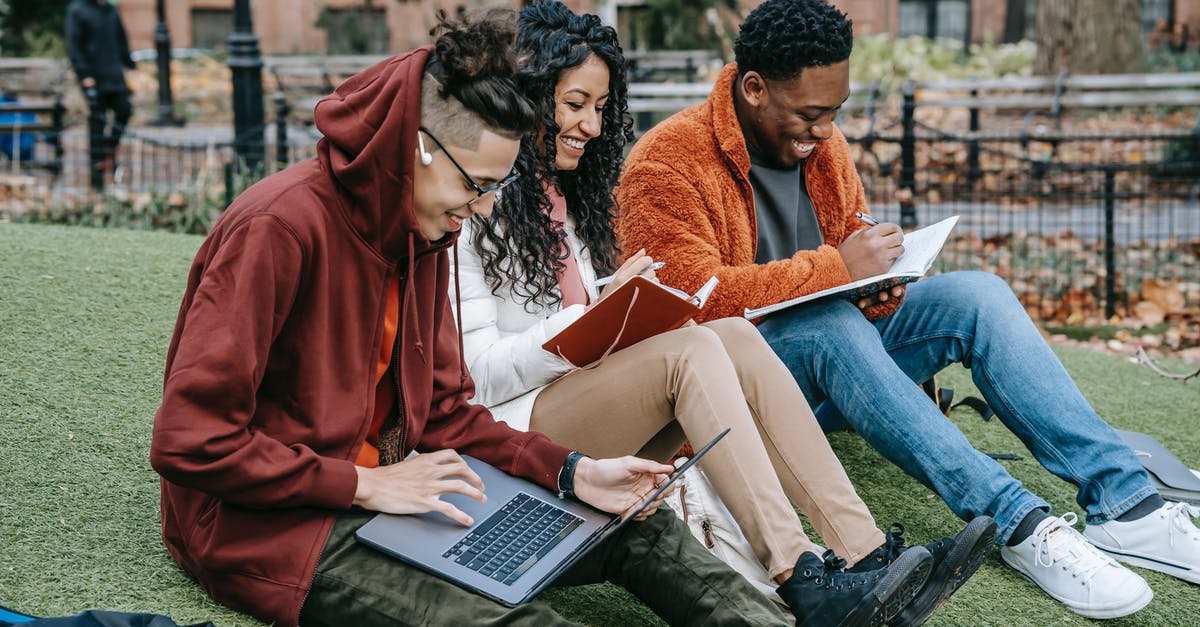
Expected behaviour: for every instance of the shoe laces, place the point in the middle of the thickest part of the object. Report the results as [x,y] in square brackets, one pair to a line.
[1059,543]
[1179,517]
[832,563]
[894,542]
[834,575]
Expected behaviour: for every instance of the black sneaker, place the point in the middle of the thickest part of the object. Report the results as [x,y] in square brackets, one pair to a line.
[821,593]
[955,559]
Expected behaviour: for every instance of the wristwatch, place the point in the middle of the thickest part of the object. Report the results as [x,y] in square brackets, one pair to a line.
[566,476]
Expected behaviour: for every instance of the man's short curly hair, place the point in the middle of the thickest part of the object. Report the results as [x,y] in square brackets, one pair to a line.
[780,38]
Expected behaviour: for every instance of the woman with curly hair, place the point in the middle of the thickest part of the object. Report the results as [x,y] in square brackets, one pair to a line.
[528,270]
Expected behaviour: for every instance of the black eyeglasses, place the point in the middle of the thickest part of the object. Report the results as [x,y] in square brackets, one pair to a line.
[480,190]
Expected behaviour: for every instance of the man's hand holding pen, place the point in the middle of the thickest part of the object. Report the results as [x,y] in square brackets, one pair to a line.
[871,251]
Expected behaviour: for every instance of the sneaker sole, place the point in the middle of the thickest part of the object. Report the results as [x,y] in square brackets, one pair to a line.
[969,552]
[895,590]
[1125,610]
[1134,559]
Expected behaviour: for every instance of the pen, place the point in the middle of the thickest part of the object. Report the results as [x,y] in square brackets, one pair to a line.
[601,282]
[866,218]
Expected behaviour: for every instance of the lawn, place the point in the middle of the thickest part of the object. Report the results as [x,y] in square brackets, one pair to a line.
[85,316]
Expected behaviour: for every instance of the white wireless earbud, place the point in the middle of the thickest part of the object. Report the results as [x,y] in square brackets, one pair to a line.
[426,158]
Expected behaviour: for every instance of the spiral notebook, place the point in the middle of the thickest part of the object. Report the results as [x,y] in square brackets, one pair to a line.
[921,248]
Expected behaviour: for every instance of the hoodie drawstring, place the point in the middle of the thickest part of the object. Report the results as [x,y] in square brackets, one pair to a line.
[409,296]
[458,319]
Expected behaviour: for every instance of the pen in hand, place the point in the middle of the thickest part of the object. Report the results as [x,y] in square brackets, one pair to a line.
[601,282]
[866,218]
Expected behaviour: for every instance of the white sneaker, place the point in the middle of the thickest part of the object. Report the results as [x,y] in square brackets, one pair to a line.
[1166,540]
[1060,561]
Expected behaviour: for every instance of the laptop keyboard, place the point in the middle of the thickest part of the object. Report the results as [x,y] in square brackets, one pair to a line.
[514,538]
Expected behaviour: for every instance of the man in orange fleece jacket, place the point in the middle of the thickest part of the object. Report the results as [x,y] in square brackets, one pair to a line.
[757,186]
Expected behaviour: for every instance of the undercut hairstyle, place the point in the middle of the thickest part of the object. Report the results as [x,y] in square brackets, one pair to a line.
[469,83]
[781,38]
[519,245]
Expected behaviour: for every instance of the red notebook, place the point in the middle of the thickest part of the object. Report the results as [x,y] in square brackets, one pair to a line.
[639,309]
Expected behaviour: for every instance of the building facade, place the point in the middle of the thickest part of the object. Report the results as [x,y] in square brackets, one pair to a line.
[383,26]
[300,26]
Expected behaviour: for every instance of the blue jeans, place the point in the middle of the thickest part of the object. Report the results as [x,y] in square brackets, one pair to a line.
[862,373]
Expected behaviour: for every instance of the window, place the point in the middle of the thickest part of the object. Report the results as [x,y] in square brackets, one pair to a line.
[936,19]
[361,30]
[1156,11]
[1031,19]
[211,27]
[1153,13]
[1020,20]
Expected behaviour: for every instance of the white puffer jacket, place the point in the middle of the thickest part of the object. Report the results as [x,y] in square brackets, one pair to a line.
[502,340]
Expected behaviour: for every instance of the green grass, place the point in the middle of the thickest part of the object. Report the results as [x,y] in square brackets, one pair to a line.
[85,316]
[1106,332]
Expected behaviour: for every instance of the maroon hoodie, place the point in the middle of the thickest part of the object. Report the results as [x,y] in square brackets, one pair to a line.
[270,376]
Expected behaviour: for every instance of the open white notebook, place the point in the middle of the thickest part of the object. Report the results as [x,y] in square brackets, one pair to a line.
[921,248]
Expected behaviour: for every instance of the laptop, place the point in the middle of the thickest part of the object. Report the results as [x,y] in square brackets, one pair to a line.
[524,536]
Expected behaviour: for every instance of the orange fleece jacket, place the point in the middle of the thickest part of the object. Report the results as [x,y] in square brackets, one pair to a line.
[685,197]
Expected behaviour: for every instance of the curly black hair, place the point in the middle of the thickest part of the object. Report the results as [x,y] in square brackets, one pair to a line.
[780,38]
[519,244]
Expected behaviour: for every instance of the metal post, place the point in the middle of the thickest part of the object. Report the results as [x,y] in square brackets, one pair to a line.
[162,49]
[281,139]
[643,121]
[973,172]
[908,155]
[245,63]
[58,119]
[1110,262]
[229,185]
[96,147]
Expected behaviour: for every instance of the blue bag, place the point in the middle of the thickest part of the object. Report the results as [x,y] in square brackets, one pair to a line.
[91,618]
[10,144]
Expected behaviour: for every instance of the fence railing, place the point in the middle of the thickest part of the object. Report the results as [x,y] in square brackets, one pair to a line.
[1070,237]
[1078,221]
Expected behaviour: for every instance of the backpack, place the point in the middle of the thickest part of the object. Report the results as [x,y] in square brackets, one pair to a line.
[696,502]
[91,618]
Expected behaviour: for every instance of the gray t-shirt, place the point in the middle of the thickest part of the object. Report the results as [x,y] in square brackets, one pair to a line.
[786,219]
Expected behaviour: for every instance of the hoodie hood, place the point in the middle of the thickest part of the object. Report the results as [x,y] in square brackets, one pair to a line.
[370,134]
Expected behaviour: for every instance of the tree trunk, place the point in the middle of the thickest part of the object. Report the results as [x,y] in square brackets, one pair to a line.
[1089,37]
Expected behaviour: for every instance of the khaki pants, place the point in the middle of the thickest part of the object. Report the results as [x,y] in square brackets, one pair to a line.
[694,382]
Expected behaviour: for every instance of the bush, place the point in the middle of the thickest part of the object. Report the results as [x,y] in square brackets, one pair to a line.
[894,60]
[177,212]
[1165,61]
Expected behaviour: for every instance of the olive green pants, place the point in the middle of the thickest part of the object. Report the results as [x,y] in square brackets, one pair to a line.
[657,560]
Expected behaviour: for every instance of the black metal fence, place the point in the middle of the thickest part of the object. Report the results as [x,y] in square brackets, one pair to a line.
[1076,221]
[185,160]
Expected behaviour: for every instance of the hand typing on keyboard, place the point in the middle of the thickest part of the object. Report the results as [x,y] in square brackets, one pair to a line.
[414,486]
[619,484]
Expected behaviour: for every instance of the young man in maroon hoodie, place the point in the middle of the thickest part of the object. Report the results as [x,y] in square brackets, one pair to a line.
[315,349]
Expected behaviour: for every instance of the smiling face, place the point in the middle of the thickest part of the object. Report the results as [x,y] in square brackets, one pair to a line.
[782,120]
[443,197]
[579,99]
